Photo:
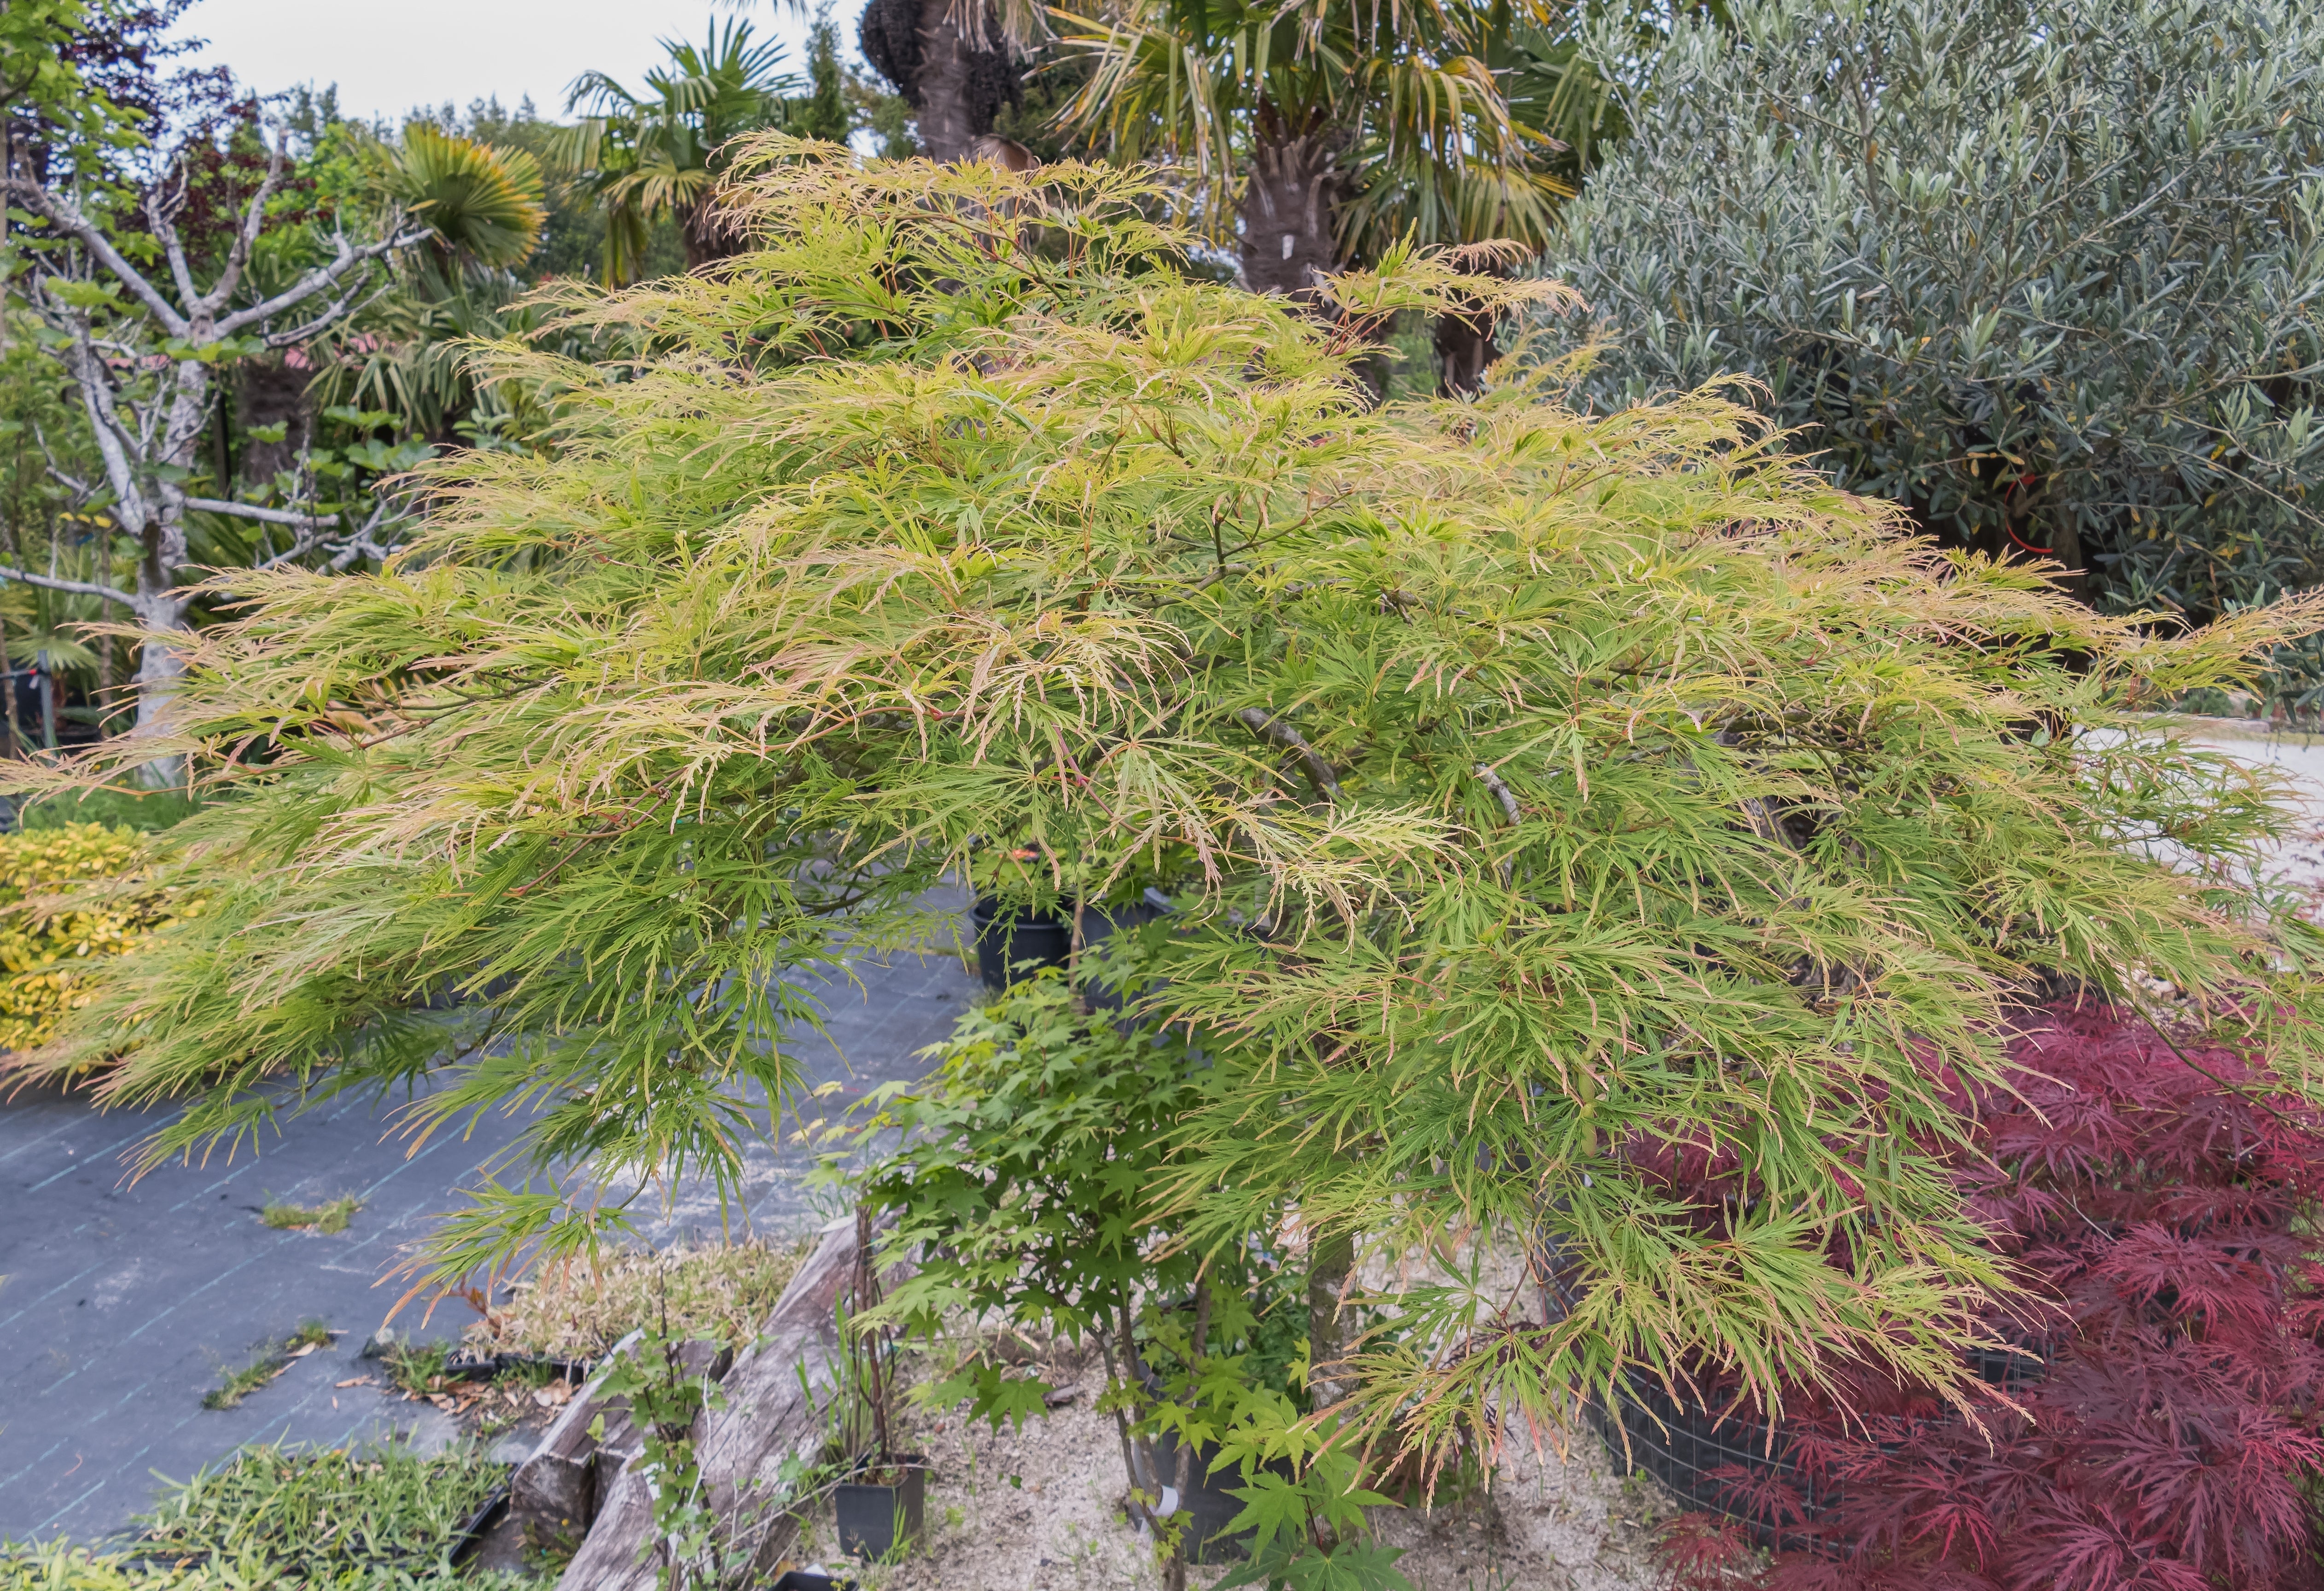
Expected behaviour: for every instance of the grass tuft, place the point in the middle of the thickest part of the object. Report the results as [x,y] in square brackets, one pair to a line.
[289,1519]
[311,1335]
[719,1290]
[417,1370]
[332,1216]
[244,1382]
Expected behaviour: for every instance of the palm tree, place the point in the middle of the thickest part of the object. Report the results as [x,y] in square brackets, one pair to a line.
[1320,132]
[955,62]
[653,154]
[482,205]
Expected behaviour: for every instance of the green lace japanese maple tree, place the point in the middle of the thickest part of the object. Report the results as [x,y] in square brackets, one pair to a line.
[1534,791]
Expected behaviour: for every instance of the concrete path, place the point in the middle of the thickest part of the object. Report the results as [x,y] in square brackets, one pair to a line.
[2299,862]
[121,1303]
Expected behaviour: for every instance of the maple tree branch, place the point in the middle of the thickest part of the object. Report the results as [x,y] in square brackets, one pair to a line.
[1319,772]
[1501,793]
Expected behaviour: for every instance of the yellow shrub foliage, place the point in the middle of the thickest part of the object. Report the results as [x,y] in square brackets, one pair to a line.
[50,928]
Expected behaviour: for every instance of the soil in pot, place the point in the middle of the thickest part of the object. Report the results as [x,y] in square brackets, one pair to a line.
[884,1509]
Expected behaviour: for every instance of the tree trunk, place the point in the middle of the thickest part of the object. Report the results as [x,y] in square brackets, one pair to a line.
[2066,545]
[1331,1255]
[947,65]
[159,516]
[1464,350]
[950,63]
[160,666]
[1290,209]
[269,393]
[16,728]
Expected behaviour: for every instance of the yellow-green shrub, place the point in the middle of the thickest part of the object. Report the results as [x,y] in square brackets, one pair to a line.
[50,928]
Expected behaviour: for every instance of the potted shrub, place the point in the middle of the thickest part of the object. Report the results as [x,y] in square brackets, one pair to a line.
[881,1498]
[1027,1185]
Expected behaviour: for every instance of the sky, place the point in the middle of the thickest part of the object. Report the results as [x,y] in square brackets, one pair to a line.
[388,59]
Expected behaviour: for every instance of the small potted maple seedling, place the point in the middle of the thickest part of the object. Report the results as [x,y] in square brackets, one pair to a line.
[882,1502]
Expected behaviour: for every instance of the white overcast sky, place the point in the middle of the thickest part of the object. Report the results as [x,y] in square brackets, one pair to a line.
[389,58]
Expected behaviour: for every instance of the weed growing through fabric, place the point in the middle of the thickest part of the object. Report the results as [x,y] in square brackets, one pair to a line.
[311,1335]
[244,1382]
[332,1216]
[417,1370]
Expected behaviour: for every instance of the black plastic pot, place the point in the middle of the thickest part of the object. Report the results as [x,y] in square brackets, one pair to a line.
[808,1580]
[1207,1504]
[1012,943]
[480,1521]
[874,1520]
[1712,1459]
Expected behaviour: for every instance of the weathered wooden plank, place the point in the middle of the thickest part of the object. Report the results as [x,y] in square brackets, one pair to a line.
[769,1416]
[553,1495]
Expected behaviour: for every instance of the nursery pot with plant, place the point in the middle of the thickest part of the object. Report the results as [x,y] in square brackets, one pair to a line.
[1027,1185]
[880,1500]
[1011,941]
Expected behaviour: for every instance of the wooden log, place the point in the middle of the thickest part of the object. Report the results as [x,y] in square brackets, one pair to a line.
[769,1416]
[553,1495]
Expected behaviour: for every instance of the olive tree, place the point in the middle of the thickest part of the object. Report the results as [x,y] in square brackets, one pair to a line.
[1538,793]
[2048,272]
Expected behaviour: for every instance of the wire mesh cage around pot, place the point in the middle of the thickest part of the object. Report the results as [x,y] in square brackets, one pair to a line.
[1711,1459]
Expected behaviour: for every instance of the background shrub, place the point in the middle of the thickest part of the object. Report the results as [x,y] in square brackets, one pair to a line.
[2168,1383]
[2045,271]
[47,939]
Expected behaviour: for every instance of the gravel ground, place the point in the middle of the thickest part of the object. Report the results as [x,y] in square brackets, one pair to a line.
[1043,1510]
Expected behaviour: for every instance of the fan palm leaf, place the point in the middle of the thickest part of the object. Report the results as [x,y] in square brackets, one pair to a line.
[1417,93]
[481,202]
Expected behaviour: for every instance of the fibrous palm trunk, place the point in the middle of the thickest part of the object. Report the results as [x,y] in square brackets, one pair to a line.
[1290,215]
[948,60]
[1464,349]
[1290,206]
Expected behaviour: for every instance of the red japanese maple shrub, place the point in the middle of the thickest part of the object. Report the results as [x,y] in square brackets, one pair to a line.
[2168,1403]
